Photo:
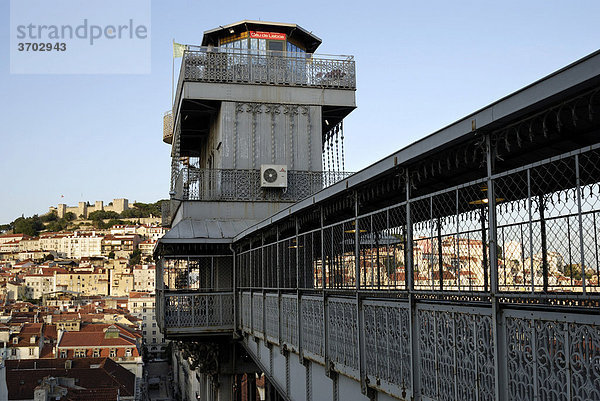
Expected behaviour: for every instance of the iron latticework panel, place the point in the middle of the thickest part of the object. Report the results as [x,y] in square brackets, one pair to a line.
[190,183]
[312,323]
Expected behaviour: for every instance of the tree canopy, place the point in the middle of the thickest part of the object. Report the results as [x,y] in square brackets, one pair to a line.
[28,225]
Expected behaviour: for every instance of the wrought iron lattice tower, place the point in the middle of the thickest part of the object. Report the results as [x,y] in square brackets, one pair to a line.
[255,109]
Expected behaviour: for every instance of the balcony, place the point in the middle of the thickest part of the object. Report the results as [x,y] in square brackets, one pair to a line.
[259,67]
[204,64]
[191,183]
[195,313]
[168,127]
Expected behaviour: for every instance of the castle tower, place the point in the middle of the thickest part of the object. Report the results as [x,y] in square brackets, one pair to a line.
[61,210]
[120,205]
[82,209]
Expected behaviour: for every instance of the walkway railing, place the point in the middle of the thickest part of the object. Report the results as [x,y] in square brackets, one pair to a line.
[546,235]
[437,352]
[487,290]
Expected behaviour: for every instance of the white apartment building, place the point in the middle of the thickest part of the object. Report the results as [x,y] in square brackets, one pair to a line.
[28,343]
[29,244]
[147,247]
[143,307]
[52,241]
[39,284]
[81,245]
[144,277]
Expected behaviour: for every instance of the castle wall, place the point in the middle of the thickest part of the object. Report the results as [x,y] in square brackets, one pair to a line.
[82,208]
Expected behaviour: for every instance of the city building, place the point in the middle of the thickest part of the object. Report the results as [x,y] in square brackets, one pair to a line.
[147,247]
[81,245]
[144,277]
[142,305]
[26,343]
[39,284]
[80,379]
[103,341]
[121,244]
[84,283]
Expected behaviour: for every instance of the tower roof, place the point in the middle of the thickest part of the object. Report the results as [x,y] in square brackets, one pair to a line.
[311,41]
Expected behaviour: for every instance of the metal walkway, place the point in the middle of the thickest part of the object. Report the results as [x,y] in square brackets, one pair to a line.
[463,267]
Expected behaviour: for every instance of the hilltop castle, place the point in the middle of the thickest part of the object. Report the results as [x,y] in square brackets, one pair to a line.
[84,208]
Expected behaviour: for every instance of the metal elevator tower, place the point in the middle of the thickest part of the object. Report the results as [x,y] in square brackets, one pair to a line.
[256,125]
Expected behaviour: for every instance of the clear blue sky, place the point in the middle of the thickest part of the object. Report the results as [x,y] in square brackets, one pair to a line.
[420,66]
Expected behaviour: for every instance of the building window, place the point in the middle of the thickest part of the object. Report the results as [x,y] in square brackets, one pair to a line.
[96,353]
[31,351]
[13,352]
[153,332]
[128,352]
[80,353]
[113,353]
[63,353]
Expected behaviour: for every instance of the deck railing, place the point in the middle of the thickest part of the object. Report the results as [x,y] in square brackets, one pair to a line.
[268,67]
[200,312]
[246,66]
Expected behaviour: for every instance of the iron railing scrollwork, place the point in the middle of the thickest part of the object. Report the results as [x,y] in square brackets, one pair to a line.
[209,311]
[245,185]
[206,64]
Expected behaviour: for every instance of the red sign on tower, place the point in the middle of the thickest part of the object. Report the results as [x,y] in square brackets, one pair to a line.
[267,35]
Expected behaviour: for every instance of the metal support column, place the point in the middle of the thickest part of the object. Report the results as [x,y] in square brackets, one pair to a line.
[499,351]
[580,221]
[328,371]
[544,239]
[359,315]
[410,287]
[298,293]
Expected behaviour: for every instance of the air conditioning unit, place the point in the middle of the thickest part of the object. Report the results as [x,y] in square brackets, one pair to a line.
[273,176]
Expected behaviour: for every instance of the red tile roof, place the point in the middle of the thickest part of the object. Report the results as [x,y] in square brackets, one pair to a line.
[80,339]
[95,375]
